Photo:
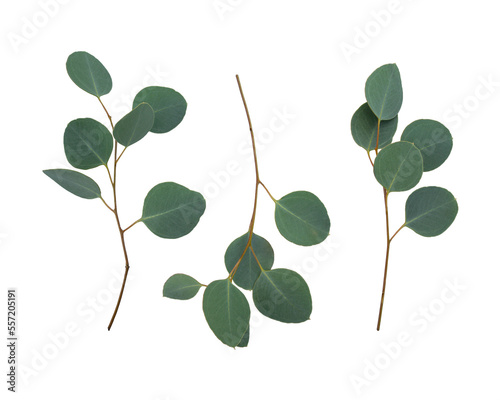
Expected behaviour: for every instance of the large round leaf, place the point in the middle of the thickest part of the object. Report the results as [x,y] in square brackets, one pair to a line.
[433,140]
[248,269]
[430,210]
[172,210]
[364,125]
[227,311]
[384,92]
[88,73]
[302,218]
[398,167]
[87,143]
[181,287]
[75,182]
[168,105]
[283,295]
[135,125]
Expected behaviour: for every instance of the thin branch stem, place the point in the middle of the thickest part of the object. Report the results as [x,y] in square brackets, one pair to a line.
[395,233]
[257,182]
[378,136]
[369,157]
[268,192]
[386,259]
[121,154]
[107,205]
[107,113]
[131,225]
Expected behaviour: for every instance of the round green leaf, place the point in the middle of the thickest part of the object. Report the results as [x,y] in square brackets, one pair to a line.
[364,124]
[168,105]
[433,140]
[248,270]
[302,218]
[135,125]
[246,338]
[384,92]
[181,287]
[430,211]
[283,295]
[398,166]
[227,311]
[88,73]
[172,210]
[75,182]
[87,143]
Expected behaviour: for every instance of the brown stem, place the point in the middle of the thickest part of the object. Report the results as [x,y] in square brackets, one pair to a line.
[257,181]
[378,136]
[115,211]
[386,259]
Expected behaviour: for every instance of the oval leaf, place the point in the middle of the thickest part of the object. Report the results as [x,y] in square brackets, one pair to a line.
[302,218]
[135,125]
[384,92]
[88,73]
[75,182]
[172,210]
[283,295]
[181,287]
[227,311]
[430,211]
[87,143]
[433,140]
[248,269]
[398,167]
[364,125]
[168,105]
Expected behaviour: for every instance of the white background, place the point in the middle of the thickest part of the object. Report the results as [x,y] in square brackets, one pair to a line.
[63,254]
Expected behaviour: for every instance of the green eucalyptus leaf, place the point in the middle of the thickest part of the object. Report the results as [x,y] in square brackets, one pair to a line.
[246,338]
[172,210]
[248,269]
[384,91]
[302,218]
[398,166]
[430,211]
[168,105]
[87,143]
[283,295]
[227,311]
[135,125]
[75,182]
[88,73]
[433,140]
[181,287]
[364,125]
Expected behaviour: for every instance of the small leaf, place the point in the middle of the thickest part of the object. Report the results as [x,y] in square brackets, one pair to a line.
[88,73]
[168,105]
[75,182]
[87,143]
[248,269]
[384,91]
[135,125]
[246,338]
[302,218]
[433,140]
[283,295]
[171,210]
[181,287]
[430,211]
[364,124]
[398,166]
[227,311]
